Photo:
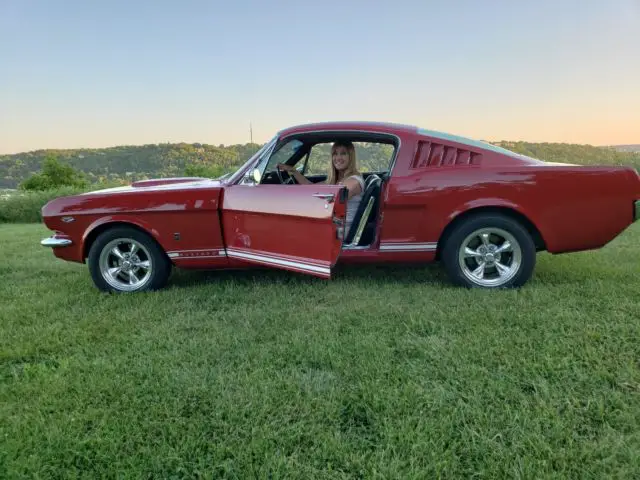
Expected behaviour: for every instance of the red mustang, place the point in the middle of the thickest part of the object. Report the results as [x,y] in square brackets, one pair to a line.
[481,210]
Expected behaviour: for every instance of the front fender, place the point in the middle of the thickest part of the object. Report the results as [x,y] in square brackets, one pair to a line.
[101,222]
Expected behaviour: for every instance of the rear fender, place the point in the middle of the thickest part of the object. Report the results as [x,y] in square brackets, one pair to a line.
[480,204]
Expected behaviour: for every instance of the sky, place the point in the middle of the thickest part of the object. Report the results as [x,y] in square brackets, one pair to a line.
[77,74]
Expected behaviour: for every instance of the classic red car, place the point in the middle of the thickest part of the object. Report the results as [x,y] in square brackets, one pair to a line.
[481,210]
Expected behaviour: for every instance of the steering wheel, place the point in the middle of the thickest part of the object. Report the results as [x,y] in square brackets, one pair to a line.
[290,178]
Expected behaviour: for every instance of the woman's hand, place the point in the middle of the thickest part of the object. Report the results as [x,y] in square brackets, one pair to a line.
[285,167]
[290,169]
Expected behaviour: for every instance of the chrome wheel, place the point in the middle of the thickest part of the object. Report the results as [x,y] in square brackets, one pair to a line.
[125,264]
[490,257]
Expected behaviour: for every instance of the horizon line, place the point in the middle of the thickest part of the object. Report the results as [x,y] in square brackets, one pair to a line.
[225,145]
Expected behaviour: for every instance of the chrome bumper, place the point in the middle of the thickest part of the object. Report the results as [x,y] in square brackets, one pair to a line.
[636,210]
[55,242]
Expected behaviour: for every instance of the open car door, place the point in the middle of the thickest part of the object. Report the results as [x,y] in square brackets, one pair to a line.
[294,227]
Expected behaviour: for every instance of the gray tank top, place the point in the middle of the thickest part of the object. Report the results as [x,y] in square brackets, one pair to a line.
[353,202]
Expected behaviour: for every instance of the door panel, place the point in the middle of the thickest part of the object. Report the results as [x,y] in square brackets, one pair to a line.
[284,226]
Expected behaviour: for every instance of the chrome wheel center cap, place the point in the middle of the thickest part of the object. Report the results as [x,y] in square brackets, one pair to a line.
[489,257]
[126,265]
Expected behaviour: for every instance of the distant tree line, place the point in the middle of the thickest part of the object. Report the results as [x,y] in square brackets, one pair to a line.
[82,168]
[571,153]
[125,164]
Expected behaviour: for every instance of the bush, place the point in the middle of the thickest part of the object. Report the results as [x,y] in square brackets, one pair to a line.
[201,170]
[54,174]
[26,206]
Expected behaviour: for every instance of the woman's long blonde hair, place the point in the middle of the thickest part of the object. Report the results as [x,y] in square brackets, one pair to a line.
[352,166]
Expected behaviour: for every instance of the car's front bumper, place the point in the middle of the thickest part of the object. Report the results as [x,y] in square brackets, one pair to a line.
[56,242]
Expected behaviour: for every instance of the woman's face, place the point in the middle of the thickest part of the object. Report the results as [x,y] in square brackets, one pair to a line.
[340,158]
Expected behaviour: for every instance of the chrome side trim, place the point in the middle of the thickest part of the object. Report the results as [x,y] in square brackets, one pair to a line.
[325,196]
[356,247]
[408,247]
[56,242]
[197,257]
[636,207]
[280,262]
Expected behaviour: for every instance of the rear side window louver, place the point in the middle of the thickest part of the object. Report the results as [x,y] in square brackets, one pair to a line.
[432,154]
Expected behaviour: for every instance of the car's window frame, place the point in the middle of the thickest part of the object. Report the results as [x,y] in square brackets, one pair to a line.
[264,154]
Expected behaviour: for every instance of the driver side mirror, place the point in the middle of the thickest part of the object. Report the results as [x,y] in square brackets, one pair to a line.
[257,176]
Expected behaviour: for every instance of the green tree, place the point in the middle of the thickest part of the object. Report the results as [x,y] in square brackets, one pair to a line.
[54,174]
[201,170]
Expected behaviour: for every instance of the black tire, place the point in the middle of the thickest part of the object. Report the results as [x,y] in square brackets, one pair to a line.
[101,256]
[470,232]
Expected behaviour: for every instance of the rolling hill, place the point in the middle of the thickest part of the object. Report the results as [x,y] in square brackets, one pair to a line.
[131,163]
[627,148]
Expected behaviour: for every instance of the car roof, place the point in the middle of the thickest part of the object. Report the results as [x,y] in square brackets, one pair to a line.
[381,127]
[398,129]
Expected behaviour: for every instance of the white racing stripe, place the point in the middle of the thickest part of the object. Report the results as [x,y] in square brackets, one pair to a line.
[281,262]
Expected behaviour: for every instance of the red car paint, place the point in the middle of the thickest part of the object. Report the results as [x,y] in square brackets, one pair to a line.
[434,180]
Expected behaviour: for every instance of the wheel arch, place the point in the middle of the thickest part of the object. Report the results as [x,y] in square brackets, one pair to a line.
[512,213]
[94,231]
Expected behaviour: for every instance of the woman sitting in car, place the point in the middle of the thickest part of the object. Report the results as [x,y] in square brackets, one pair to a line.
[343,171]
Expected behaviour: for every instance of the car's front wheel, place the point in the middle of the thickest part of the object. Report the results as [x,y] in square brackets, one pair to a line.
[124,259]
[489,251]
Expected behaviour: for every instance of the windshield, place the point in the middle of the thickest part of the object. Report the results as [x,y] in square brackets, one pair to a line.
[282,155]
[254,158]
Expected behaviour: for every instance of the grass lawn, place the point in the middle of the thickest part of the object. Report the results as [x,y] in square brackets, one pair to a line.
[379,373]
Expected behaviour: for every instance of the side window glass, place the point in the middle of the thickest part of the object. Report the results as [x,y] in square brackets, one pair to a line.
[319,158]
[371,157]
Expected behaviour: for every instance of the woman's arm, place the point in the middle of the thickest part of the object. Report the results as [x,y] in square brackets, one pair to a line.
[353,185]
[294,173]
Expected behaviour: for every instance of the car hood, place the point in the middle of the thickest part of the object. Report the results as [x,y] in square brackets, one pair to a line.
[158,184]
[164,194]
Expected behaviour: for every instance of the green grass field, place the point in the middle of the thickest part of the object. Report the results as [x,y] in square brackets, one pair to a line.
[379,373]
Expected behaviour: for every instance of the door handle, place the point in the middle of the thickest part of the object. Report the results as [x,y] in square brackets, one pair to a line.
[325,196]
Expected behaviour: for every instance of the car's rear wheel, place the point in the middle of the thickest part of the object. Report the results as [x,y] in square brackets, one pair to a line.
[124,259]
[489,251]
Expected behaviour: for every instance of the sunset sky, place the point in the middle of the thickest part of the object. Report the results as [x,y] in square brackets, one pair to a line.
[94,74]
